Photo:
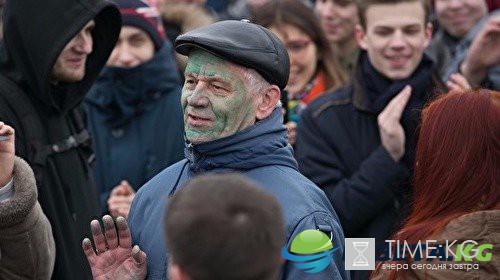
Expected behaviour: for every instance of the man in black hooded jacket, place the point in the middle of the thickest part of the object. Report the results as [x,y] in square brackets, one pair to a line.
[51,53]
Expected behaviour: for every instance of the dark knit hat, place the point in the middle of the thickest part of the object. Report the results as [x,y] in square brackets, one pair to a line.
[139,14]
[243,43]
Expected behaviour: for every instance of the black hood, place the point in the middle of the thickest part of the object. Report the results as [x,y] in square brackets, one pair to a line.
[35,33]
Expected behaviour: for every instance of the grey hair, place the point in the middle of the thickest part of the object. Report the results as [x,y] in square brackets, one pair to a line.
[254,82]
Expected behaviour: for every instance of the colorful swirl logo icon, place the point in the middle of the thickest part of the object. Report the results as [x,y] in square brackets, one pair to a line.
[311,250]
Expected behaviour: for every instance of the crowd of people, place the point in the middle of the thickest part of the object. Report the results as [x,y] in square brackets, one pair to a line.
[208,135]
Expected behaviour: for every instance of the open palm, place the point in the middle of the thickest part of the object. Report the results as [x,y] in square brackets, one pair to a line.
[114,257]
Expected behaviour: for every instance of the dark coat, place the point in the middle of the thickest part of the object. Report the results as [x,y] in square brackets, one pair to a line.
[338,148]
[35,34]
[136,122]
[262,154]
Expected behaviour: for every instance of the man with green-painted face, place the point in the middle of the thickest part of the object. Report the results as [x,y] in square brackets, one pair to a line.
[233,123]
[218,101]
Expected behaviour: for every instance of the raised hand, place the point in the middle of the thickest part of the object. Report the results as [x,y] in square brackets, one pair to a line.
[458,82]
[7,152]
[291,128]
[120,199]
[483,53]
[114,257]
[392,134]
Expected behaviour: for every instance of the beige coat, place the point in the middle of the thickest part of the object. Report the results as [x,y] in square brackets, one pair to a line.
[27,249]
[482,227]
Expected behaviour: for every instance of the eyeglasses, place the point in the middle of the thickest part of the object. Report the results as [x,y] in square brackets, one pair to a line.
[297,46]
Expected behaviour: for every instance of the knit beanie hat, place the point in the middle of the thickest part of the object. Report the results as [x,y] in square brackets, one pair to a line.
[138,13]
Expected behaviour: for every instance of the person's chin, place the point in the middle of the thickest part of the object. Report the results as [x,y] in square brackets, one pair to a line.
[399,71]
[397,74]
[73,77]
[198,139]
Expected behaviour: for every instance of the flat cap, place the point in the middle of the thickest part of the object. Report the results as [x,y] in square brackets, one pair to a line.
[243,43]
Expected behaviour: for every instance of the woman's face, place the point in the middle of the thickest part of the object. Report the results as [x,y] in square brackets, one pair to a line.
[303,55]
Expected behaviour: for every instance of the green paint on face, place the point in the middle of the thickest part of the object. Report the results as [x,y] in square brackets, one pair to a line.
[215,99]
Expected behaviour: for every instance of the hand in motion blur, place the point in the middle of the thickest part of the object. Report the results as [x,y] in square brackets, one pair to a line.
[120,199]
[483,53]
[291,128]
[457,82]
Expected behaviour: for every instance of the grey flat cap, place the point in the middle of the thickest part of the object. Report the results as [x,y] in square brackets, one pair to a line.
[243,43]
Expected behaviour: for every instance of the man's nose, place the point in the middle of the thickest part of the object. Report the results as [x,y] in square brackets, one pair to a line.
[454,4]
[84,43]
[198,98]
[125,57]
[398,40]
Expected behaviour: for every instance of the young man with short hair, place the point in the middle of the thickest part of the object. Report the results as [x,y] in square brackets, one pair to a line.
[357,143]
[224,227]
[51,54]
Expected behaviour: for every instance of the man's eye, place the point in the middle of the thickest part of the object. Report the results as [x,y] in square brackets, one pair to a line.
[383,32]
[190,83]
[216,87]
[412,31]
[137,42]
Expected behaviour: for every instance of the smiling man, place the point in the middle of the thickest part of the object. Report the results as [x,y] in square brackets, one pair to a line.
[362,166]
[233,123]
[49,58]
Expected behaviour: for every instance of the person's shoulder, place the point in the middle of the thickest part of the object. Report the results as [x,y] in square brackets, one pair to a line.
[476,225]
[330,101]
[163,182]
[298,195]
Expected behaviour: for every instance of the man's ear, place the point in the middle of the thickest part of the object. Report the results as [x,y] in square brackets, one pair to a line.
[175,272]
[360,36]
[266,102]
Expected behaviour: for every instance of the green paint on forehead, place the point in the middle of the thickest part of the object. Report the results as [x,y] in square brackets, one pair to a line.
[206,64]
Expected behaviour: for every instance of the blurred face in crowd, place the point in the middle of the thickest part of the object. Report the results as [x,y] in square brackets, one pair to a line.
[133,48]
[303,55]
[215,98]
[70,65]
[395,37]
[457,17]
[338,19]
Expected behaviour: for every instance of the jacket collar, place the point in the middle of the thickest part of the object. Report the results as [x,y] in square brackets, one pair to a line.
[264,143]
